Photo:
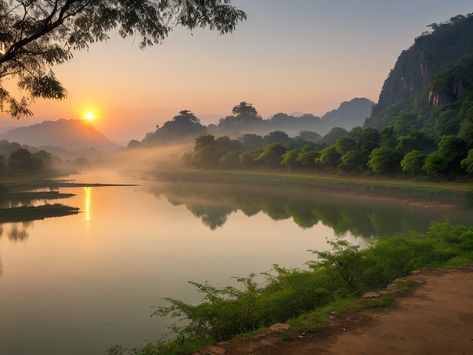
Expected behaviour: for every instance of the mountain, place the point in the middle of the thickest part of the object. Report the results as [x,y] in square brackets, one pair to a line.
[69,134]
[348,115]
[430,87]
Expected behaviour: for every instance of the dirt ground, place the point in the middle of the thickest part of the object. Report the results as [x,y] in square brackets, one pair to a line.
[437,318]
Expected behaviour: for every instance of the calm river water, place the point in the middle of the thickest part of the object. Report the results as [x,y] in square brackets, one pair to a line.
[79,284]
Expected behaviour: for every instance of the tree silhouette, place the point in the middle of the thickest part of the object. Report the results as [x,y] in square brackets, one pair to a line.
[35,35]
[244,109]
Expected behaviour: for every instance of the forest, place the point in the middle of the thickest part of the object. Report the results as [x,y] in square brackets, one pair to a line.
[421,126]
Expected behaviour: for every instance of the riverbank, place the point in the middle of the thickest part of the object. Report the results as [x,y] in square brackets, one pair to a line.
[434,316]
[342,279]
[413,192]
[33,213]
[19,191]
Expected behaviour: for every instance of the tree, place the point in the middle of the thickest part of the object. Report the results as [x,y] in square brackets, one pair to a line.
[329,156]
[345,144]
[436,164]
[183,128]
[383,160]
[310,136]
[43,159]
[351,161]
[244,109]
[467,163]
[271,156]
[332,136]
[277,137]
[413,162]
[2,164]
[289,159]
[252,140]
[447,159]
[36,35]
[230,160]
[306,158]
[20,159]
[248,159]
[453,148]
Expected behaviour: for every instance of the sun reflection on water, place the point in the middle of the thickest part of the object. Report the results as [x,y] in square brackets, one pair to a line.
[88,195]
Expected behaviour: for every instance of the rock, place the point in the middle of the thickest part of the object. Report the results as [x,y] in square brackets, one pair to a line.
[279,327]
[371,295]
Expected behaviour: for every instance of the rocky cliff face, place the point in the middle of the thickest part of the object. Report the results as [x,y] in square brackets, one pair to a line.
[409,85]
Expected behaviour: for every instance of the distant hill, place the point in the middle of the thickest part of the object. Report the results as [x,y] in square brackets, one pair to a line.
[348,115]
[68,134]
[182,129]
[245,120]
[431,85]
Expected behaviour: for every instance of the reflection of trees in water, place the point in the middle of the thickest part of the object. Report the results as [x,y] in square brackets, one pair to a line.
[19,231]
[212,216]
[359,216]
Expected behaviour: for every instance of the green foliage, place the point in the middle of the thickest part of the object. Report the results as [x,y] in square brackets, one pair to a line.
[289,159]
[22,160]
[334,277]
[345,144]
[3,165]
[329,156]
[467,163]
[384,160]
[35,35]
[447,159]
[307,158]
[413,162]
[271,156]
[436,164]
[248,158]
[333,135]
[351,161]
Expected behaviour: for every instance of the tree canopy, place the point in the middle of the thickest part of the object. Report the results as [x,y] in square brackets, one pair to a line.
[38,34]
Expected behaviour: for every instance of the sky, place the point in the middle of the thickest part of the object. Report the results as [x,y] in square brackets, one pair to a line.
[294,56]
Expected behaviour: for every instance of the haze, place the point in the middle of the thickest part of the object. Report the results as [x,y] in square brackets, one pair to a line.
[290,56]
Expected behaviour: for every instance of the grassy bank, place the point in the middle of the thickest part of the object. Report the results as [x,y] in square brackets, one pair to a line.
[333,281]
[30,213]
[452,193]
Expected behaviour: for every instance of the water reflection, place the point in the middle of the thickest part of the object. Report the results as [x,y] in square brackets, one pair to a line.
[361,217]
[19,231]
[87,204]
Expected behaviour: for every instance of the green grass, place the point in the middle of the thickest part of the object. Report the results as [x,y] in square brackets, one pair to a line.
[333,282]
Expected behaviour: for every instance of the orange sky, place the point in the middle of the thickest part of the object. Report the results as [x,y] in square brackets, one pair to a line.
[290,56]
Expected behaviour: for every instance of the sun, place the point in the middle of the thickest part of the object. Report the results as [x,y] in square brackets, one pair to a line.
[89,116]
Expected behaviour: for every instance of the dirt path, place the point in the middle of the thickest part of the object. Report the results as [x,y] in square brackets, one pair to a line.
[437,318]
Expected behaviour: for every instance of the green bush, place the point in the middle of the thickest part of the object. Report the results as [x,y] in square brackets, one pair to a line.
[342,273]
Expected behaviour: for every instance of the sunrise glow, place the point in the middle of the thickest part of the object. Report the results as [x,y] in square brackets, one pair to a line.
[89,116]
